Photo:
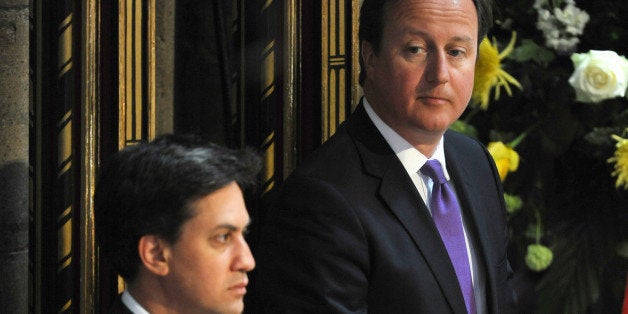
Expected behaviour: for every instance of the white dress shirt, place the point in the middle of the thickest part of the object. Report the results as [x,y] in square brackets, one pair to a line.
[412,161]
[130,302]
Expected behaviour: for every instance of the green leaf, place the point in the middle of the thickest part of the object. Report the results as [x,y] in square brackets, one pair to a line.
[464,128]
[572,283]
[530,51]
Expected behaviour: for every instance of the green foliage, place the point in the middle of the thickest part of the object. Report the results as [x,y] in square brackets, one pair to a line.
[530,51]
[539,257]
[513,203]
[563,175]
[464,128]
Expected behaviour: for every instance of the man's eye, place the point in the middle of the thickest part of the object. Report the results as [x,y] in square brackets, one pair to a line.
[414,49]
[456,53]
[222,238]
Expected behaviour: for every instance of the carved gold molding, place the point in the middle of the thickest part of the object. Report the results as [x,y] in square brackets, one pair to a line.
[90,125]
[64,211]
[151,68]
[339,62]
[291,82]
[136,61]
[136,53]
[356,89]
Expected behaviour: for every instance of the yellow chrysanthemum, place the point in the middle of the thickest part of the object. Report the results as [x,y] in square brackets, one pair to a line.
[506,158]
[621,162]
[489,72]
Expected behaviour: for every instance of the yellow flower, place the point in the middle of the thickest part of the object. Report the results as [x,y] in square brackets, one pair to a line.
[489,73]
[621,162]
[506,158]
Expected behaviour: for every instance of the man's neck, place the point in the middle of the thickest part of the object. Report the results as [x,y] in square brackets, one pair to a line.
[423,141]
[129,301]
[148,294]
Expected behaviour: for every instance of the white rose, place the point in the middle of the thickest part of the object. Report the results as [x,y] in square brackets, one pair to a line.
[599,75]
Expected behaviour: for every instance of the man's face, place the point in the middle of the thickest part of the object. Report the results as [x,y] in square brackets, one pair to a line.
[209,261]
[421,80]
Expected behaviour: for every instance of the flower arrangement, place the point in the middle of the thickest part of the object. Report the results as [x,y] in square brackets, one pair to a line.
[560,143]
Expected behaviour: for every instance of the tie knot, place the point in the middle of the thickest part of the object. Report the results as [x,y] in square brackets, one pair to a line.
[433,169]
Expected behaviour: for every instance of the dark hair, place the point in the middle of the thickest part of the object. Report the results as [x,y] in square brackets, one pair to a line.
[148,188]
[372,15]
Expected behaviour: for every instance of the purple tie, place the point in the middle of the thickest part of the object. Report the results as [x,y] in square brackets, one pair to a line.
[446,213]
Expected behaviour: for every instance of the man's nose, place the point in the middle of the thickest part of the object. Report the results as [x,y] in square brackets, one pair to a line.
[437,70]
[244,260]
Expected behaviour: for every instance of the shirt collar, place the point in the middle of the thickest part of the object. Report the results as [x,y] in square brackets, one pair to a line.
[132,304]
[411,159]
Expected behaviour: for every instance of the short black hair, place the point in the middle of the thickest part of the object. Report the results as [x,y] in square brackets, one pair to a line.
[371,26]
[148,189]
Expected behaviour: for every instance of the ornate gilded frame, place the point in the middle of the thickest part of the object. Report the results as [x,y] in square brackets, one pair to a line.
[339,21]
[90,126]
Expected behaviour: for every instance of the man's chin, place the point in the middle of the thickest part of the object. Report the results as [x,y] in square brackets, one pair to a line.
[235,307]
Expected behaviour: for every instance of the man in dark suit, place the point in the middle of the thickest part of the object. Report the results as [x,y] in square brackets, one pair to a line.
[170,218]
[355,228]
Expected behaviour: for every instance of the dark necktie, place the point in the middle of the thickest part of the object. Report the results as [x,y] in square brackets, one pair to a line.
[447,216]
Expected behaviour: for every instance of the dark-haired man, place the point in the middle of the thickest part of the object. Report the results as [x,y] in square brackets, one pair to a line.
[396,214]
[171,218]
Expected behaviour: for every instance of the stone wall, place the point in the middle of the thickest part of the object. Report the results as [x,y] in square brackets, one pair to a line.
[14,123]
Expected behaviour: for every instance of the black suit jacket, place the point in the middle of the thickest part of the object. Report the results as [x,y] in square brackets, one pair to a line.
[351,234]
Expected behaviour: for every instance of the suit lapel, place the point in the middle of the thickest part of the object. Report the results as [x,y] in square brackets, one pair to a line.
[399,194]
[457,163]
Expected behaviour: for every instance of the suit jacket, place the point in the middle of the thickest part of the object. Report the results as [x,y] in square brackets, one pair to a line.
[351,234]
[118,307]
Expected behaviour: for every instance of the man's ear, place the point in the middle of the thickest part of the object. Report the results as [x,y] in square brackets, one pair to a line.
[153,251]
[368,55]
